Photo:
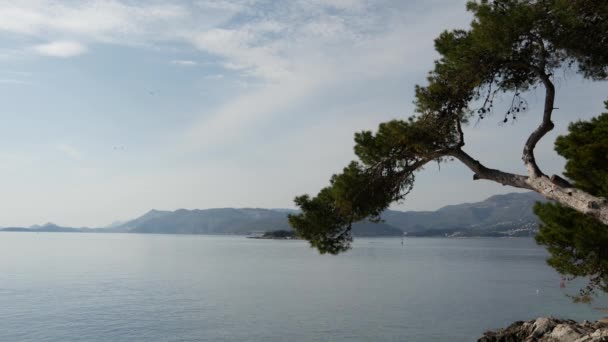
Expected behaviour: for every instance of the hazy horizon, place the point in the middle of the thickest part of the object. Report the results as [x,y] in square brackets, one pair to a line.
[113,108]
[115,222]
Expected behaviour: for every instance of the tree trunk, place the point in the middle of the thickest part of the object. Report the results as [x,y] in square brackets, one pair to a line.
[571,197]
[555,188]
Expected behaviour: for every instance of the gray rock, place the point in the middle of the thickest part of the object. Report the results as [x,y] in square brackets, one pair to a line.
[542,325]
[599,335]
[548,329]
[566,333]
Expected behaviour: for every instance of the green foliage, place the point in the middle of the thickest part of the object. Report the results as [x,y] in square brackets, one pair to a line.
[355,194]
[403,143]
[582,32]
[511,46]
[365,189]
[578,243]
[279,234]
[586,151]
[322,223]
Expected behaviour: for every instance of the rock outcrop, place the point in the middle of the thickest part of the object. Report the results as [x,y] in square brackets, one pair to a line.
[550,330]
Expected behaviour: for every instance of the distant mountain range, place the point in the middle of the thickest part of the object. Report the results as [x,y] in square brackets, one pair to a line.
[499,215]
[509,214]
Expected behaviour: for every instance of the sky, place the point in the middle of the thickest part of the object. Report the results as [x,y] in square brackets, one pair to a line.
[111,108]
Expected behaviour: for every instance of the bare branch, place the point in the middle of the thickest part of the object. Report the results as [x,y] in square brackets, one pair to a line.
[577,199]
[483,172]
[551,188]
[545,126]
[460,133]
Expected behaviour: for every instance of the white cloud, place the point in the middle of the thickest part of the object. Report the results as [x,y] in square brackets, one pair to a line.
[69,150]
[16,73]
[13,77]
[104,20]
[215,77]
[62,49]
[11,54]
[266,42]
[288,55]
[307,63]
[234,66]
[243,49]
[184,62]
[14,81]
[343,4]
[110,21]
[224,5]
[231,122]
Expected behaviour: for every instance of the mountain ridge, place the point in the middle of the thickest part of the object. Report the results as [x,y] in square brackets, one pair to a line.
[498,215]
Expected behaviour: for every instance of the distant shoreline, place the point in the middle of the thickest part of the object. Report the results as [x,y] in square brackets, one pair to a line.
[98,231]
[507,215]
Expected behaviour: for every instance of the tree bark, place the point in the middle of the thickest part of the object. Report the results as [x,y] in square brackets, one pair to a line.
[554,188]
[576,199]
[482,172]
[545,127]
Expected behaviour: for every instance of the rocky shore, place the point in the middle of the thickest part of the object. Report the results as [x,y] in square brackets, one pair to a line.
[550,330]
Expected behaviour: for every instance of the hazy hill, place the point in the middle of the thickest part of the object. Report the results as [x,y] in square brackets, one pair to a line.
[230,221]
[208,221]
[493,216]
[496,213]
[49,227]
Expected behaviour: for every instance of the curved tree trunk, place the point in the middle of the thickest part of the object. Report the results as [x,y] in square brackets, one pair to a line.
[554,188]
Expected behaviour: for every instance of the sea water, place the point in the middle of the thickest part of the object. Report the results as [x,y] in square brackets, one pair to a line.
[128,287]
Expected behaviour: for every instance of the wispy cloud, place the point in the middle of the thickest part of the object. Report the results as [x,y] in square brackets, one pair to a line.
[242,50]
[277,60]
[215,77]
[345,4]
[16,73]
[62,49]
[181,62]
[231,122]
[11,54]
[14,77]
[310,56]
[105,20]
[256,38]
[69,151]
[15,81]
[289,50]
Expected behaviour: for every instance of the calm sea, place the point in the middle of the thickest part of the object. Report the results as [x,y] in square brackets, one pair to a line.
[123,287]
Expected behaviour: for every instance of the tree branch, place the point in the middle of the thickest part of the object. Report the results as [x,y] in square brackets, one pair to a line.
[565,194]
[545,126]
[460,133]
[553,189]
[483,172]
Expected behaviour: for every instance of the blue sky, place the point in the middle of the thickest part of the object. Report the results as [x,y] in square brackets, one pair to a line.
[111,108]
